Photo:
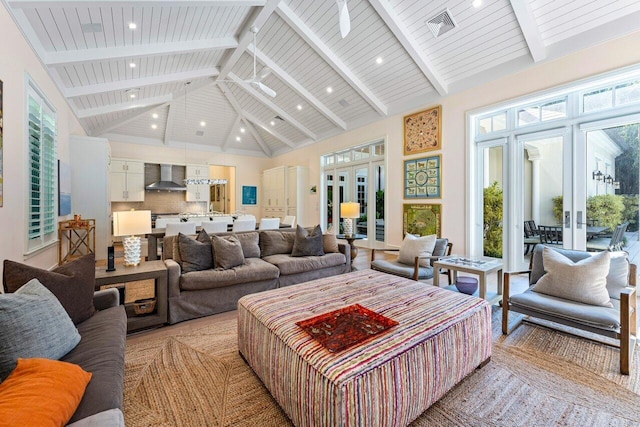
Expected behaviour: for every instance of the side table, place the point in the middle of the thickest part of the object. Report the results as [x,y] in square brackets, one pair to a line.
[146,270]
[350,239]
[481,267]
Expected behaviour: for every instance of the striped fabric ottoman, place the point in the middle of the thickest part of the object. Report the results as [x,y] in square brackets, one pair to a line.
[389,380]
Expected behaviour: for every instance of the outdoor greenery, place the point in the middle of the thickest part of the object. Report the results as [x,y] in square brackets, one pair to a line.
[492,230]
[609,210]
[630,212]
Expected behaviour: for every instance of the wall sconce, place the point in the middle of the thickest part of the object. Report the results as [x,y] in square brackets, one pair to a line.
[616,185]
[597,175]
[608,179]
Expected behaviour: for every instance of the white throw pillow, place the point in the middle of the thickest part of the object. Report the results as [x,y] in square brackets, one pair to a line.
[413,246]
[584,281]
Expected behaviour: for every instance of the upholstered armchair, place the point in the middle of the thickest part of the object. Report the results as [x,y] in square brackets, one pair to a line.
[413,267]
[573,288]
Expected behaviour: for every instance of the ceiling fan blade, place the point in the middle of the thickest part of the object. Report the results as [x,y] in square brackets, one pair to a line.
[264,73]
[345,21]
[266,89]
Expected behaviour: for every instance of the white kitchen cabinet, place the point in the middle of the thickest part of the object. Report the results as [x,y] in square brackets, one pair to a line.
[127,180]
[273,188]
[198,192]
[283,190]
[89,159]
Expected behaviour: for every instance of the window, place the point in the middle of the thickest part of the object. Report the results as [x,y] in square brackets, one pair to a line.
[494,123]
[552,110]
[41,133]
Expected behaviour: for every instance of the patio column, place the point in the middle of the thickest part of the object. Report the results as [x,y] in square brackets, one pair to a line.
[533,155]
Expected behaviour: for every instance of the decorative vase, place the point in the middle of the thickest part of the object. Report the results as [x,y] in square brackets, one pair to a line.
[466,285]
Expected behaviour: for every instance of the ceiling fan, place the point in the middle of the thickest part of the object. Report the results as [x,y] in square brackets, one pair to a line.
[256,80]
[345,22]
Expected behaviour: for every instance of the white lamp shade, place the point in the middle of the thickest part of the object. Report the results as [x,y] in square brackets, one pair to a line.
[130,223]
[349,210]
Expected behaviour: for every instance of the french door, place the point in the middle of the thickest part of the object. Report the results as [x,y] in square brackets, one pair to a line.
[576,183]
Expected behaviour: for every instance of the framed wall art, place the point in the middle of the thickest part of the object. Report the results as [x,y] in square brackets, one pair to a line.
[423,178]
[422,131]
[421,219]
[249,195]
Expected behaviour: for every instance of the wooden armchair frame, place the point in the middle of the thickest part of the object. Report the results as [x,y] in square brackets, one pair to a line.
[416,261]
[628,317]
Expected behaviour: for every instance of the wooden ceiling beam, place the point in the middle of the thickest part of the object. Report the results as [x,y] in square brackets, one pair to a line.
[529,27]
[113,108]
[331,58]
[270,104]
[402,34]
[32,4]
[296,86]
[140,82]
[79,56]
[241,113]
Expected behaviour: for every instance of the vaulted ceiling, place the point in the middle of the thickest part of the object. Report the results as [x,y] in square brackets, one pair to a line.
[179,76]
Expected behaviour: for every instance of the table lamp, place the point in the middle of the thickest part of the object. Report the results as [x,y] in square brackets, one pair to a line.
[130,223]
[348,211]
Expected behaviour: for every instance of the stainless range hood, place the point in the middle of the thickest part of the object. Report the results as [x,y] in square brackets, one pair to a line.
[165,183]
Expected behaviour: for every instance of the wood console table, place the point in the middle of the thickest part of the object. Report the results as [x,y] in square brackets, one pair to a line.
[146,270]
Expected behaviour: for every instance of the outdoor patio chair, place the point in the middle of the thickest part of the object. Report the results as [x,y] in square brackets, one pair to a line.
[615,243]
[576,306]
[550,234]
[531,236]
[413,271]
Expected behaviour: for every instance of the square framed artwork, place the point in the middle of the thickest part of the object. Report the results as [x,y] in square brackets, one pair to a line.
[423,131]
[423,178]
[249,195]
[421,219]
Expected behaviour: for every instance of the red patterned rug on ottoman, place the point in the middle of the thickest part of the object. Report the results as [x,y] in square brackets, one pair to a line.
[387,380]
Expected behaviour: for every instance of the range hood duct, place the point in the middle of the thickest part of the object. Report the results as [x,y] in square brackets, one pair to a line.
[165,183]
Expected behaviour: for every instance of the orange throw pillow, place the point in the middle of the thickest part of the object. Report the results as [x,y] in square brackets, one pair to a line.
[41,392]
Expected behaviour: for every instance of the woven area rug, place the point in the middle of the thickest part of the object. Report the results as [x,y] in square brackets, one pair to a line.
[536,377]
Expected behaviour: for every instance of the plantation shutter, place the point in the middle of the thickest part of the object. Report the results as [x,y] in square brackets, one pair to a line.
[42,172]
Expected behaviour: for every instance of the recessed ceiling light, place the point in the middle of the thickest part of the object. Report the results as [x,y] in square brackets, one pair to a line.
[299,107]
[273,123]
[476,3]
[132,65]
[154,126]
[203,124]
[132,25]
[379,60]
[238,138]
[329,89]
[241,130]
[154,115]
[132,93]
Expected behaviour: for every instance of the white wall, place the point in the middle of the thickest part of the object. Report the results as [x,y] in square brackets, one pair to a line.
[609,56]
[16,59]
[248,169]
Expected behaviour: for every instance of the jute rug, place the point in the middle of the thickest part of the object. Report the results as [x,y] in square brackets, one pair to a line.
[536,377]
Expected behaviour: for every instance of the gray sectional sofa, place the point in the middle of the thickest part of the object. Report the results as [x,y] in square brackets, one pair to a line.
[268,264]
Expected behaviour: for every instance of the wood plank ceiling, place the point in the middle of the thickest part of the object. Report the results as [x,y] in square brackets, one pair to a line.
[178,76]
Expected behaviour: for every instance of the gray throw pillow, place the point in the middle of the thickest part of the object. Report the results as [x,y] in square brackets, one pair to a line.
[306,244]
[33,323]
[249,242]
[195,255]
[72,283]
[228,252]
[274,242]
[584,281]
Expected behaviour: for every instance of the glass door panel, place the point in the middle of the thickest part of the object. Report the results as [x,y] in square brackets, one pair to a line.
[611,187]
[362,196]
[344,193]
[379,188]
[329,203]
[492,201]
